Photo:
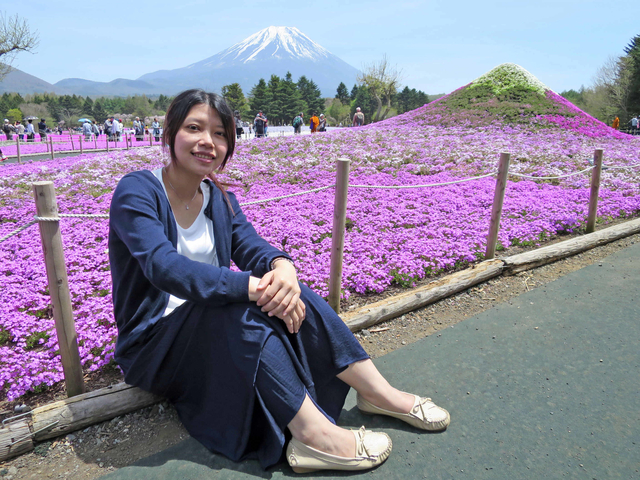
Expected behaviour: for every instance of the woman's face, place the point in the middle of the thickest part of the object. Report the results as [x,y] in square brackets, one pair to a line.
[201,142]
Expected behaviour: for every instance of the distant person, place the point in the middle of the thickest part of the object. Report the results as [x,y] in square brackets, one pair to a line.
[358,118]
[239,127]
[120,128]
[59,129]
[87,130]
[322,126]
[3,157]
[155,125]
[42,130]
[616,123]
[138,129]
[313,122]
[297,123]
[259,124]
[115,129]
[8,129]
[20,130]
[266,126]
[31,133]
[95,129]
[108,128]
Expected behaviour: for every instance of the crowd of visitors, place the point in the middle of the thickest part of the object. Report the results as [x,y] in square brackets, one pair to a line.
[260,124]
[114,127]
[634,125]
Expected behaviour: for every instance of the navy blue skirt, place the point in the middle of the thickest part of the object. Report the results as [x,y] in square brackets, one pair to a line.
[205,361]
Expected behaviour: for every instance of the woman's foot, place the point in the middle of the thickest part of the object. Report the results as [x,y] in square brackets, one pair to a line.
[371,449]
[423,413]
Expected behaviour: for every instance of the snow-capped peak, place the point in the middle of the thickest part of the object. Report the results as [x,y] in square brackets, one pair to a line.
[278,42]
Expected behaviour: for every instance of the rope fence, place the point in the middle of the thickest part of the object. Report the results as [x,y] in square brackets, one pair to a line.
[47,217]
[523,175]
[73,143]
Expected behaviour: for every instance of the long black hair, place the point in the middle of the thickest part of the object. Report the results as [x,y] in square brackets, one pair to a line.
[178,111]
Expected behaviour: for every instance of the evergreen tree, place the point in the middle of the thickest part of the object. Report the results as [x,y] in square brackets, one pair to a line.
[16,100]
[259,97]
[633,53]
[292,103]
[87,107]
[410,99]
[354,92]
[4,107]
[342,94]
[275,101]
[311,95]
[99,113]
[162,103]
[234,97]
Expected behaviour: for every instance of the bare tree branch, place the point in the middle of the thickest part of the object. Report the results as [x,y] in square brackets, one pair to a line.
[15,37]
[383,82]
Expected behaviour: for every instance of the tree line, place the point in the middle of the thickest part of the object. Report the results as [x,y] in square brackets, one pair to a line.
[68,108]
[281,99]
[616,88]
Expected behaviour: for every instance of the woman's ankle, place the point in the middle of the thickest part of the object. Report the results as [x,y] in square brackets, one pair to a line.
[394,401]
[338,441]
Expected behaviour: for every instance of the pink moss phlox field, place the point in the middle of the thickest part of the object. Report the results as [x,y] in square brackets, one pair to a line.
[392,236]
[66,143]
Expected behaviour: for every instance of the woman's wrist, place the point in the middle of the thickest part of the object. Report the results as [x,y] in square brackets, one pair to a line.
[278,259]
[253,289]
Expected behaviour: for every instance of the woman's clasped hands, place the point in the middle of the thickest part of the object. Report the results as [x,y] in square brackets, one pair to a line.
[278,293]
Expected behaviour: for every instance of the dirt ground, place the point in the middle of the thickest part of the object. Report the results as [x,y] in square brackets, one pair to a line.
[101,448]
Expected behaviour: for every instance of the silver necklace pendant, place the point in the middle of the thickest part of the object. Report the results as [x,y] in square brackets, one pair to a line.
[187,207]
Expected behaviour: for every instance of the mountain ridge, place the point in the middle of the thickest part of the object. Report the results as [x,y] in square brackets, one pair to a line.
[271,51]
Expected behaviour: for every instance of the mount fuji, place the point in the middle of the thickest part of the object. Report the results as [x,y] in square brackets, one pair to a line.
[274,50]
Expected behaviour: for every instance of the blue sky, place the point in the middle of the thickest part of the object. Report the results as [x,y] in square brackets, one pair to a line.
[438,45]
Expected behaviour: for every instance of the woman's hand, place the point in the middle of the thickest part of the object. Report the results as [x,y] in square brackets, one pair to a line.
[278,293]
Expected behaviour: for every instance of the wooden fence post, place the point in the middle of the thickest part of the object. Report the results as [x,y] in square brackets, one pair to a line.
[95,140]
[126,139]
[46,206]
[51,145]
[18,148]
[496,211]
[150,140]
[106,138]
[80,138]
[71,137]
[337,235]
[595,191]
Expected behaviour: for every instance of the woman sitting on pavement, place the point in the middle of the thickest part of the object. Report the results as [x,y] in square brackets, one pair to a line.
[250,357]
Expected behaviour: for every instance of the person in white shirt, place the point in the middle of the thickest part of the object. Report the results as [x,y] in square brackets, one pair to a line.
[31,133]
[86,130]
[115,129]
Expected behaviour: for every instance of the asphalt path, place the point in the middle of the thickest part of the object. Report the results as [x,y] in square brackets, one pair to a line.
[545,386]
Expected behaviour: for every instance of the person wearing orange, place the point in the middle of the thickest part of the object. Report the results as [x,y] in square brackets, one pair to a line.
[313,122]
[616,123]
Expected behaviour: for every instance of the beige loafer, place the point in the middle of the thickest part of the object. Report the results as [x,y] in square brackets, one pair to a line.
[425,414]
[372,449]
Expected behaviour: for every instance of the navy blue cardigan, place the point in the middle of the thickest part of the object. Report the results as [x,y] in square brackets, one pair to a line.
[146,267]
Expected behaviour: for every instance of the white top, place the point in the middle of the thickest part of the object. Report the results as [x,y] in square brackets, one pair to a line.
[197,242]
